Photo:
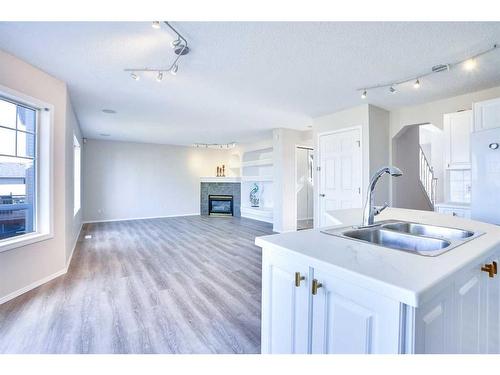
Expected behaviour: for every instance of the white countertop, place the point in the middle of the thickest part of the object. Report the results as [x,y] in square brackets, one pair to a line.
[403,276]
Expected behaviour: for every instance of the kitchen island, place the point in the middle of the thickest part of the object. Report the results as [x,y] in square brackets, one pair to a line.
[327,294]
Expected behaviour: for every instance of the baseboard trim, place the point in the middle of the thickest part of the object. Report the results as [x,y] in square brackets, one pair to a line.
[34,285]
[68,262]
[138,218]
[43,280]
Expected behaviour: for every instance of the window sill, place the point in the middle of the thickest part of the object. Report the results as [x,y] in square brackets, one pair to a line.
[20,241]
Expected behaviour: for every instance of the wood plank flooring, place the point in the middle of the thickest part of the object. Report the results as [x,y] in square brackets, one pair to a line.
[176,285]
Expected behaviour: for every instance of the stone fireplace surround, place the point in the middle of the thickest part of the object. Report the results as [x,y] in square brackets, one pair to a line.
[220,186]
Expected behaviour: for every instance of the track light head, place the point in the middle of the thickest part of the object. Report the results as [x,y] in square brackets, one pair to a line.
[363,95]
[176,42]
[135,76]
[392,90]
[159,77]
[155,25]
[417,84]
[470,64]
[174,70]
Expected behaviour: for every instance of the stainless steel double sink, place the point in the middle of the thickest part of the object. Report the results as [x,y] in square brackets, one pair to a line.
[421,239]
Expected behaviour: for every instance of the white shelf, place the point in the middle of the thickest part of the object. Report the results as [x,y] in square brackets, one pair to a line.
[257,163]
[258,213]
[220,179]
[256,178]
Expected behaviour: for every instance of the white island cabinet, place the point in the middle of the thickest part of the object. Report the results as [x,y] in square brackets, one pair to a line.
[324,294]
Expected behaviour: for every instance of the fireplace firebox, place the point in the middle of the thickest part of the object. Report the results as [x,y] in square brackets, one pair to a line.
[220,205]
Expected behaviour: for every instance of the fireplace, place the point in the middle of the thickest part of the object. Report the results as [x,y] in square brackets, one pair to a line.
[220,205]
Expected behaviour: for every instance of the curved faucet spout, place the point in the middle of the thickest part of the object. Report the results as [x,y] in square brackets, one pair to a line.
[369,210]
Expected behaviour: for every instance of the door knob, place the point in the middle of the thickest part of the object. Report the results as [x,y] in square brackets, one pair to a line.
[315,286]
[298,279]
[490,268]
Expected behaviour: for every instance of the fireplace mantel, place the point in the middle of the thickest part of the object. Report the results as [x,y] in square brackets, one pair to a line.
[220,179]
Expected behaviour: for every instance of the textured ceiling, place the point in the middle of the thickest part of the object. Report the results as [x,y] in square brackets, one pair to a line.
[243,79]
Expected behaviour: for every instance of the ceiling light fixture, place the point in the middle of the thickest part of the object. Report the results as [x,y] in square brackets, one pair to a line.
[363,95]
[469,64]
[181,48]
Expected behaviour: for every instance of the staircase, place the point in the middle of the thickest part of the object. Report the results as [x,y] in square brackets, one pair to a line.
[428,181]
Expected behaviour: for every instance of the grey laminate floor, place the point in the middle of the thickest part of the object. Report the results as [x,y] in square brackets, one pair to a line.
[177,285]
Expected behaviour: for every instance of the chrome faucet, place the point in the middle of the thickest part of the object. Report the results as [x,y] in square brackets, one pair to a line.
[370,211]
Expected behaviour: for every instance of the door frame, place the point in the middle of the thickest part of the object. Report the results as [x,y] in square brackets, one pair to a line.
[311,148]
[317,160]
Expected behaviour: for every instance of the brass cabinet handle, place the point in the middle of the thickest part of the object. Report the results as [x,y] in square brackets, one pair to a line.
[495,268]
[315,286]
[490,268]
[298,279]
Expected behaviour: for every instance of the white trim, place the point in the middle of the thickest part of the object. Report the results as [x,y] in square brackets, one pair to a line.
[138,218]
[34,285]
[23,240]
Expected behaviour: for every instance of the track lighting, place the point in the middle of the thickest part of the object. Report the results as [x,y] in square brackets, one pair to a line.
[176,42]
[180,46]
[470,64]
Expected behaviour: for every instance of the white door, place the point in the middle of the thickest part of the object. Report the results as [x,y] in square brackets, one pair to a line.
[457,130]
[285,305]
[347,319]
[340,175]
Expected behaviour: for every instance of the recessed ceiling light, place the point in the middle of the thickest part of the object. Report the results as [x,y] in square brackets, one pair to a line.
[104,134]
[155,25]
[110,111]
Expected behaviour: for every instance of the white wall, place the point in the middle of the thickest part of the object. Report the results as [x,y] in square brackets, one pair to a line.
[285,202]
[124,180]
[26,266]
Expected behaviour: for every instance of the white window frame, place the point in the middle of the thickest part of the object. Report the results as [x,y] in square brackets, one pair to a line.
[44,210]
[77,175]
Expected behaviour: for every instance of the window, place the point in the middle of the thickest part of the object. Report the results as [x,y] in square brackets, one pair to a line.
[18,165]
[77,175]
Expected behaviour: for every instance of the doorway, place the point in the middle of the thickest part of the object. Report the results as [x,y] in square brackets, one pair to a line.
[304,187]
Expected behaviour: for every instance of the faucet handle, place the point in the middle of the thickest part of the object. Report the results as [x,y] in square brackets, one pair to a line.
[376,210]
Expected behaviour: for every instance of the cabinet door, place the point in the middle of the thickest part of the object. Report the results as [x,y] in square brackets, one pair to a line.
[350,319]
[487,114]
[285,306]
[469,299]
[434,325]
[457,129]
[490,335]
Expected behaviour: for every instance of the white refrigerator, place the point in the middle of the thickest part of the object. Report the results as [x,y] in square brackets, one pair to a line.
[485,158]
